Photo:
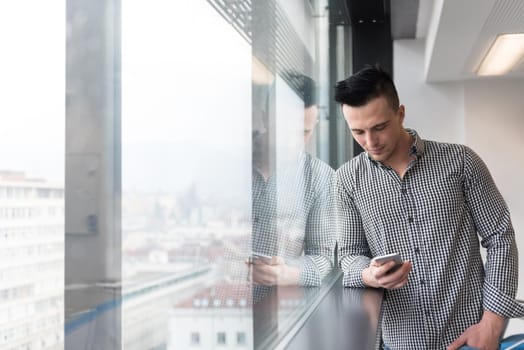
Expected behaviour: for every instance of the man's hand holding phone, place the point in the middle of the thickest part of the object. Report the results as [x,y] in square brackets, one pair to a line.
[387,271]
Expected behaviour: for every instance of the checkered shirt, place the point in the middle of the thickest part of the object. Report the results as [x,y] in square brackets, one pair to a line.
[294,217]
[431,217]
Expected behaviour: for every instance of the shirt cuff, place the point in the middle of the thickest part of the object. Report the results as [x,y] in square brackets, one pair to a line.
[500,303]
[352,267]
[313,269]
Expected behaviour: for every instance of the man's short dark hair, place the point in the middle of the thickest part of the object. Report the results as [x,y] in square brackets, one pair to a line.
[306,86]
[365,85]
[310,91]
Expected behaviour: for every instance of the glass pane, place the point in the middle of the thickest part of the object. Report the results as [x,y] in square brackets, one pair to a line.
[218,103]
[186,171]
[32,175]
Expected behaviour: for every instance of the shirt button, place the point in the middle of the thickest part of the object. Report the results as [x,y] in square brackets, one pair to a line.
[410,219]
[404,191]
[422,282]
[417,250]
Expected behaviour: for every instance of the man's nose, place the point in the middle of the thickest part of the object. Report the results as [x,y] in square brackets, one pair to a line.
[371,139]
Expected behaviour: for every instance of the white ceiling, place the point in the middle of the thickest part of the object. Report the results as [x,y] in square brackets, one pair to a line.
[459,32]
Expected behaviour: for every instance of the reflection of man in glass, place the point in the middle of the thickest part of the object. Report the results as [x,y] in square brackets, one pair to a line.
[292,201]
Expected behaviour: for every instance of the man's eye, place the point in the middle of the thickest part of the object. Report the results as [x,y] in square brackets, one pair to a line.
[380,127]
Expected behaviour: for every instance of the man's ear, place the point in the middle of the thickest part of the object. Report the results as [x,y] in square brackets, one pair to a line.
[402,112]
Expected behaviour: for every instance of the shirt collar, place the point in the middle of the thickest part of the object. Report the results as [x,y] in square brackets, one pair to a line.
[416,149]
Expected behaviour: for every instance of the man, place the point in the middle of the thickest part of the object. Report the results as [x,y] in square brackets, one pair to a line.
[426,201]
[293,204]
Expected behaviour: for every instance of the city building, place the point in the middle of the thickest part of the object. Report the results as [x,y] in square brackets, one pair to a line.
[31,263]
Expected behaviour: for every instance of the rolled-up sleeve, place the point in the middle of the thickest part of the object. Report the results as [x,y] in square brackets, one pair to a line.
[320,235]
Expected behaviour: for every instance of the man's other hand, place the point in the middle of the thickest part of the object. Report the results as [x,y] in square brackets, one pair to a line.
[484,335]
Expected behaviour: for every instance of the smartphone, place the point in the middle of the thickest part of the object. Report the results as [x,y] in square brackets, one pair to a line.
[382,259]
[258,256]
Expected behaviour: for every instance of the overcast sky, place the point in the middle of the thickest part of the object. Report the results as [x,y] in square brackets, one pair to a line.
[32,87]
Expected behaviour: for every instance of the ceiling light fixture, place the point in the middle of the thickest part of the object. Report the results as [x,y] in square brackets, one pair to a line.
[507,50]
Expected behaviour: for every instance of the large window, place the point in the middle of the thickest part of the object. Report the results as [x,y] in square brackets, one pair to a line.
[216,166]
[186,170]
[162,191]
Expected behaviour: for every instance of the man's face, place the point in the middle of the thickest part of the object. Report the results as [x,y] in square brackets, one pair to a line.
[262,147]
[376,126]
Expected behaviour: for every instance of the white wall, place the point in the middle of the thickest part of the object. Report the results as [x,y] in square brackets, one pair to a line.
[434,110]
[487,115]
[494,118]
